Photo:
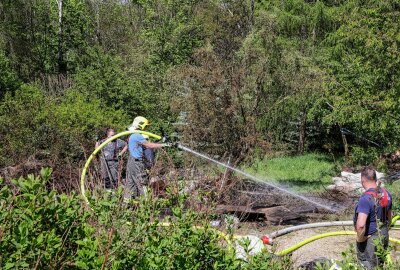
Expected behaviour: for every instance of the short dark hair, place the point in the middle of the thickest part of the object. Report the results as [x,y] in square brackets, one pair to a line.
[369,173]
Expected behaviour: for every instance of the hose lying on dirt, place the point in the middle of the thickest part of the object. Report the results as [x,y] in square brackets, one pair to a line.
[395,222]
[309,226]
[320,236]
[318,225]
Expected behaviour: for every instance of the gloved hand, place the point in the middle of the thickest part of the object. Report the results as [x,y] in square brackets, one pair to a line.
[120,155]
[171,144]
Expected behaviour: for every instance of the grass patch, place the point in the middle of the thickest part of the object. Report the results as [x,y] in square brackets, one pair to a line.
[305,173]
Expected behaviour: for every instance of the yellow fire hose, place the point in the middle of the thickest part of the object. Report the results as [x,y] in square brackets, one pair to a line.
[337,233]
[320,236]
[396,218]
[98,149]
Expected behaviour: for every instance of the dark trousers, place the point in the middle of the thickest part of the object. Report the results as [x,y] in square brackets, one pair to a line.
[109,173]
[136,178]
[366,250]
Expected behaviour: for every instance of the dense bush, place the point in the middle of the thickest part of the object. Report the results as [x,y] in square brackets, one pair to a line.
[45,230]
[54,129]
[38,227]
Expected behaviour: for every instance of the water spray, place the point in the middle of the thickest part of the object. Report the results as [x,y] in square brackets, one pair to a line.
[256,179]
[186,149]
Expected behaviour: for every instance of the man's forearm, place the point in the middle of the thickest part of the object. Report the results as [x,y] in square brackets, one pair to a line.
[123,150]
[153,145]
[360,227]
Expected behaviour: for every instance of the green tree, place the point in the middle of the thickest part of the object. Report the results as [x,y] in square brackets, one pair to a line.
[8,78]
[364,62]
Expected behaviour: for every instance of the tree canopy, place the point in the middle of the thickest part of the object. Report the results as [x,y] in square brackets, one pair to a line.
[241,77]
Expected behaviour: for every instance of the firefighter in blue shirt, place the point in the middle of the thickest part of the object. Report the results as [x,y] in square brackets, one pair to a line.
[136,175]
[372,219]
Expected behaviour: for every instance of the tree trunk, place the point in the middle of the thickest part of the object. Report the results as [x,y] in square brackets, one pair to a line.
[302,133]
[345,145]
[97,14]
[251,13]
[61,64]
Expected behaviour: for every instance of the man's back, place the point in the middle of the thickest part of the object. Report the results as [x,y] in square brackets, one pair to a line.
[370,205]
[112,149]
[135,145]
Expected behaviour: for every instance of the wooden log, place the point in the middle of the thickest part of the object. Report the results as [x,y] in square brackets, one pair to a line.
[226,208]
[275,214]
[279,214]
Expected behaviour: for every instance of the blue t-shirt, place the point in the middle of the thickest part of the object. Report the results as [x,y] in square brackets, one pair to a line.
[135,145]
[366,205]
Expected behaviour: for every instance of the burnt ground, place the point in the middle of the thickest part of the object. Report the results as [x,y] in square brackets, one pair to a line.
[257,202]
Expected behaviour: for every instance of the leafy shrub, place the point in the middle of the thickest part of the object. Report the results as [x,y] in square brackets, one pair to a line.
[360,155]
[8,78]
[42,229]
[38,227]
[33,124]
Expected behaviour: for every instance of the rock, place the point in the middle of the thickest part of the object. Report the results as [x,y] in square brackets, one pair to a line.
[380,175]
[317,263]
[350,183]
[337,180]
[351,177]
[215,223]
[356,177]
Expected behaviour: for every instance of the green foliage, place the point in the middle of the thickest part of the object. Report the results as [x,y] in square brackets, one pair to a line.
[43,229]
[363,61]
[21,133]
[8,78]
[312,170]
[280,75]
[172,37]
[33,38]
[80,117]
[38,227]
[33,124]
[362,156]
[104,80]
[394,189]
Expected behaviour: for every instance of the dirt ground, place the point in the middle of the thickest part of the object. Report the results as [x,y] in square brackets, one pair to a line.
[330,247]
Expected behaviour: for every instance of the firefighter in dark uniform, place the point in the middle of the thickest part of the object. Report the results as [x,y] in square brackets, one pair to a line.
[109,160]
